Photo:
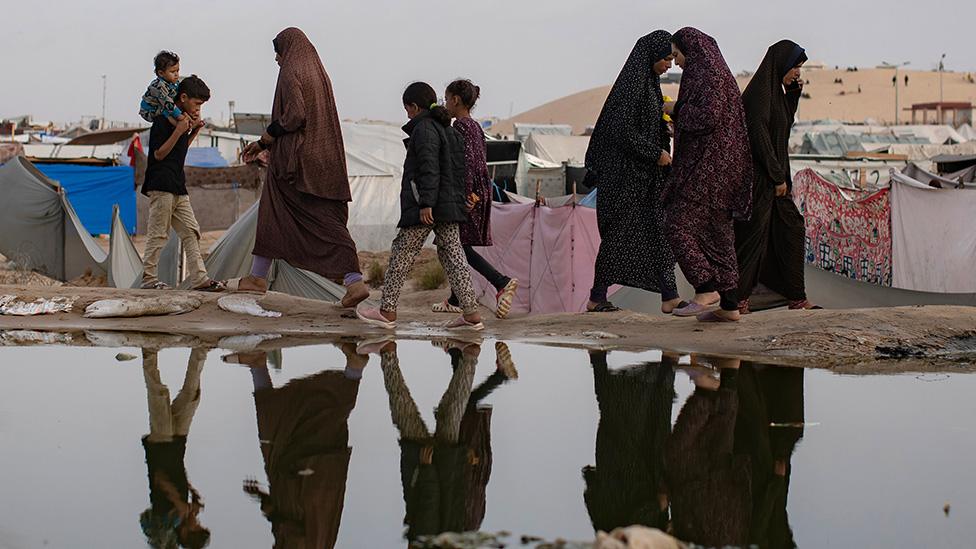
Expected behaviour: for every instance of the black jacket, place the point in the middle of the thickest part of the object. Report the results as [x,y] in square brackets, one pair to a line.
[433,173]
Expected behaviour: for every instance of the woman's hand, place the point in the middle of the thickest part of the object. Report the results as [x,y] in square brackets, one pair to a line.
[664,159]
[669,107]
[469,205]
[427,216]
[250,152]
[781,189]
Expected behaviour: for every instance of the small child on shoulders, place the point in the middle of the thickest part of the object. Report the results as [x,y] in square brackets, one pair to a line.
[160,96]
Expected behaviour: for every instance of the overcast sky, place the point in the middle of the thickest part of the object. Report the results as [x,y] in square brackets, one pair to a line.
[521,52]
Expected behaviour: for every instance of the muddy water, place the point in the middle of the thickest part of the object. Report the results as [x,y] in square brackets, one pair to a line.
[760,454]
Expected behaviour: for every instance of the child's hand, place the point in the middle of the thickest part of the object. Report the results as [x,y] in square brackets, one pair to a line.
[427,216]
[183,124]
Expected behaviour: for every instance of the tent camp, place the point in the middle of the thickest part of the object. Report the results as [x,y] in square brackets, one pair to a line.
[40,231]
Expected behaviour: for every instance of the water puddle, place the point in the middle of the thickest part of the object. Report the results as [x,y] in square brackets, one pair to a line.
[373,443]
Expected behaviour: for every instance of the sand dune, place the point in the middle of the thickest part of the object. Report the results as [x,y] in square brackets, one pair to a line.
[828,100]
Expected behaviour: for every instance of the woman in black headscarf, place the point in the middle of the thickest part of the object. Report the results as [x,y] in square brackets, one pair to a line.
[628,154]
[770,246]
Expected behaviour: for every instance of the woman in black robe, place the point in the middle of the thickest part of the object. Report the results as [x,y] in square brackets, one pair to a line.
[770,246]
[627,159]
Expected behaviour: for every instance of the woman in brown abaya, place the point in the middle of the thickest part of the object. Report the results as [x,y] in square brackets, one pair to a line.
[305,203]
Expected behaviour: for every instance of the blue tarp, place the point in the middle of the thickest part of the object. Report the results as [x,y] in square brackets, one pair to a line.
[205,157]
[93,190]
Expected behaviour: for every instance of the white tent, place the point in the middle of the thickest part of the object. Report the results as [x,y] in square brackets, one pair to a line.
[570,149]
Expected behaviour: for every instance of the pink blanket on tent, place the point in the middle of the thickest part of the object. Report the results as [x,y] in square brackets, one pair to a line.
[847,232]
[550,250]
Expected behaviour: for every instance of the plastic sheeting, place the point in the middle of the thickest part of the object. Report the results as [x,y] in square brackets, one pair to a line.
[94,191]
[933,239]
[230,257]
[558,148]
[204,157]
[550,250]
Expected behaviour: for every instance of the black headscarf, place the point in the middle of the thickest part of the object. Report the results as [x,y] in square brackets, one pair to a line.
[771,110]
[630,123]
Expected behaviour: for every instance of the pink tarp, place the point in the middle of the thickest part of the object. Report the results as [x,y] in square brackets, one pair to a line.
[550,250]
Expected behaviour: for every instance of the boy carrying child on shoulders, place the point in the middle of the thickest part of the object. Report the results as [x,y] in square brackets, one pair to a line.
[165,185]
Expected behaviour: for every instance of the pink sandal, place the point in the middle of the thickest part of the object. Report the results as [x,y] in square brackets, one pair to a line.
[375,317]
[692,309]
[461,322]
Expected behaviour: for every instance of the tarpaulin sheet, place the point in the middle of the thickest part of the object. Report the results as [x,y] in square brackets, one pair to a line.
[94,191]
[934,239]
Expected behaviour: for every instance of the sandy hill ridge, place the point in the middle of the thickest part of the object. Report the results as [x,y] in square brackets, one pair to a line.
[828,100]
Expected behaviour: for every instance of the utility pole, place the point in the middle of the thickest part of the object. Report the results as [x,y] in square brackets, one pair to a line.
[896,67]
[104,88]
[941,69]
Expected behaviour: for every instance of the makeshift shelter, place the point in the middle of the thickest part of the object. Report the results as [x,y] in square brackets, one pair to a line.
[550,250]
[230,257]
[559,149]
[523,131]
[926,152]
[94,191]
[933,237]
[40,230]
[847,232]
[204,157]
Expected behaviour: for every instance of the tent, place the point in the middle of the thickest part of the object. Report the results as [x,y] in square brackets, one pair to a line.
[204,157]
[558,149]
[40,230]
[230,257]
[94,191]
[550,250]
[933,237]
[967,132]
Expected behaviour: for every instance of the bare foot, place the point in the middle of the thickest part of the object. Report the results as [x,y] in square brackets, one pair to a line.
[253,284]
[355,294]
[708,298]
[253,359]
[668,307]
[730,315]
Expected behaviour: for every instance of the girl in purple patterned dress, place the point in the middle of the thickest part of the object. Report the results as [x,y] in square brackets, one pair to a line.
[461,97]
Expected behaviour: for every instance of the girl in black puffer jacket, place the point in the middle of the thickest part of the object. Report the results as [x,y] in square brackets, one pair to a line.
[431,199]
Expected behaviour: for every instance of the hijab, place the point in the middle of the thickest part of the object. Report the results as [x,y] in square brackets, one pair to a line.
[634,106]
[310,155]
[712,161]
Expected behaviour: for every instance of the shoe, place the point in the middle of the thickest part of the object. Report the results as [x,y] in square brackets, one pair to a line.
[446,307]
[373,316]
[461,322]
[505,297]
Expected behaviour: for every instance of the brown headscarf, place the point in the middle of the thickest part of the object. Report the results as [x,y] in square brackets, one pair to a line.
[311,155]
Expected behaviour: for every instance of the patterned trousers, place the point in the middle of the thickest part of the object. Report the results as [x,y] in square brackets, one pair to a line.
[407,245]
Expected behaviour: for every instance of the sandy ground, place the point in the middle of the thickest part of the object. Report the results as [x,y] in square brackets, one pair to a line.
[828,99]
[865,341]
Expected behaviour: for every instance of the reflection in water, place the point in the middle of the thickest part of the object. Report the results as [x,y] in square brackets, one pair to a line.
[174,504]
[728,457]
[626,486]
[304,437]
[445,474]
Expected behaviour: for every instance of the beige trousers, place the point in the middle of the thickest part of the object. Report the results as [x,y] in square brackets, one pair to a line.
[167,210]
[168,419]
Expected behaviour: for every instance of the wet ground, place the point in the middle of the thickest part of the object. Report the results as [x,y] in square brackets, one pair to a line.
[100,450]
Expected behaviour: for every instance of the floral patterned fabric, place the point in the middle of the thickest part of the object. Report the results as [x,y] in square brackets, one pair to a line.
[477,231]
[847,232]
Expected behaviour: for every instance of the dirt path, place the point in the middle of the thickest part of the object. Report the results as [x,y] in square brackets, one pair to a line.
[926,338]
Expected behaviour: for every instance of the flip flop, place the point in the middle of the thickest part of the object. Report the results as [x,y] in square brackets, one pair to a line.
[692,309]
[505,297]
[711,316]
[680,305]
[604,307]
[374,317]
[461,322]
[445,307]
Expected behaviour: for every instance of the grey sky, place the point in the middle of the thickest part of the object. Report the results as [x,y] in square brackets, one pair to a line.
[521,52]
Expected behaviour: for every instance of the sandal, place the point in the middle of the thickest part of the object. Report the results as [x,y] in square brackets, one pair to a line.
[712,316]
[374,346]
[154,286]
[681,304]
[211,286]
[603,307]
[803,304]
[504,298]
[692,309]
[744,307]
[461,322]
[375,317]
[445,307]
